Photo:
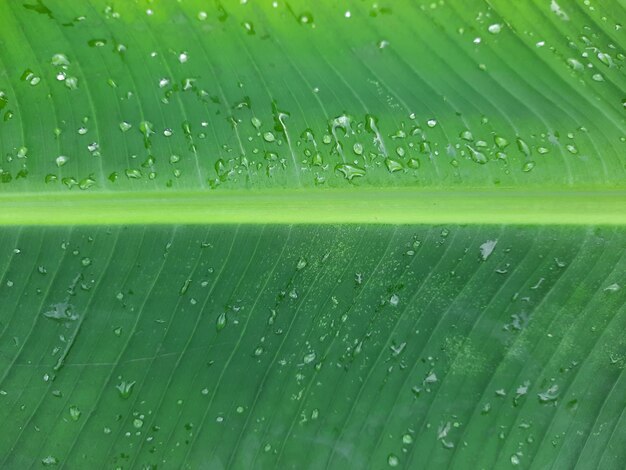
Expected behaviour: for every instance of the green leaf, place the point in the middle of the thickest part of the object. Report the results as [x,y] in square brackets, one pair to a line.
[312,234]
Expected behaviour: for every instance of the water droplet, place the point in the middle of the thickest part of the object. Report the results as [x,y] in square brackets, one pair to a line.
[528,166]
[146,128]
[49,461]
[308,358]
[305,18]
[477,156]
[551,394]
[61,312]
[61,160]
[575,64]
[467,135]
[523,146]
[407,439]
[501,142]
[494,28]
[393,460]
[133,173]
[97,42]
[75,413]
[29,77]
[486,249]
[60,60]
[606,59]
[249,27]
[393,165]
[125,388]
[220,324]
[431,123]
[269,137]
[184,287]
[71,82]
[350,171]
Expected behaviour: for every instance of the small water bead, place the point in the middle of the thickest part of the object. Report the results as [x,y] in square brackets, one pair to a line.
[61,160]
[501,142]
[308,358]
[598,77]
[575,64]
[407,439]
[528,166]
[350,171]
[183,57]
[75,413]
[71,82]
[249,27]
[29,77]
[49,461]
[133,173]
[467,135]
[477,156]
[393,165]
[357,148]
[393,460]
[606,59]
[572,149]
[523,146]
[221,321]
[167,132]
[413,163]
[494,28]
[202,15]
[82,130]
[305,18]
[60,60]
[146,128]
[124,126]
[269,137]
[125,389]
[431,123]
[97,42]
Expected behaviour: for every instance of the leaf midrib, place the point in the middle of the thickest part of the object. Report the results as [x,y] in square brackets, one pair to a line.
[328,206]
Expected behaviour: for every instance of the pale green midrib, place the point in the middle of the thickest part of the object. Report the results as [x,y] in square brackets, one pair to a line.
[329,206]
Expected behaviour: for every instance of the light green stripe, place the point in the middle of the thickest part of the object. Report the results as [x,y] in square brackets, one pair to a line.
[397,206]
